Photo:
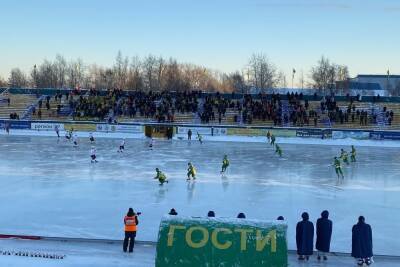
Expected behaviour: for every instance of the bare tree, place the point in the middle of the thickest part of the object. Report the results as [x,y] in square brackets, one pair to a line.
[342,72]
[121,71]
[3,82]
[325,74]
[238,84]
[173,77]
[320,74]
[301,79]
[135,79]
[149,71]
[262,73]
[281,80]
[60,65]
[17,79]
[75,73]
[160,73]
[47,75]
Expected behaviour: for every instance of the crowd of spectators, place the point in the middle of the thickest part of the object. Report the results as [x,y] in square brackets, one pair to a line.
[160,106]
[94,105]
[163,106]
[292,109]
[362,116]
[14,116]
[213,104]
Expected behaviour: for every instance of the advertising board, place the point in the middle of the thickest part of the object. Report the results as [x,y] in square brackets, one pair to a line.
[315,133]
[200,130]
[350,134]
[121,128]
[80,127]
[15,124]
[381,135]
[262,132]
[39,126]
[219,131]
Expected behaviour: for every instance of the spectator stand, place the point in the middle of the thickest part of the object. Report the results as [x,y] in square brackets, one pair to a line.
[17,106]
[27,115]
[4,95]
[286,111]
[200,110]
[378,116]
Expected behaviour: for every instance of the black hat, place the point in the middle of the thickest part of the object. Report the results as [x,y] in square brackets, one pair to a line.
[241,216]
[305,216]
[173,212]
[325,214]
[211,213]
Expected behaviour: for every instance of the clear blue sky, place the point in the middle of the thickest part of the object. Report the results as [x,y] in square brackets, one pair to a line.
[220,34]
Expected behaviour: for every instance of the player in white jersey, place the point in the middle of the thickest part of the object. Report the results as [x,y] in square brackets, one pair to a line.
[75,140]
[91,138]
[57,131]
[93,155]
[151,143]
[122,146]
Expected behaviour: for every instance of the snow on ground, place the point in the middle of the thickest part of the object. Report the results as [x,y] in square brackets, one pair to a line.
[87,254]
[63,194]
[76,254]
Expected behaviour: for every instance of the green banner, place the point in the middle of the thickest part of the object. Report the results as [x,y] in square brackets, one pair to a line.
[222,242]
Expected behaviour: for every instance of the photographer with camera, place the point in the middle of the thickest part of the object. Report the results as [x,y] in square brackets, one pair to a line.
[130,221]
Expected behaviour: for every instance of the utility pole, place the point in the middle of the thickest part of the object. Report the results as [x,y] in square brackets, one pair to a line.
[293,73]
[387,81]
[302,80]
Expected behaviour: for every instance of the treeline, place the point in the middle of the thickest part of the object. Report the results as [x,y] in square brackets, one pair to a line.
[158,74]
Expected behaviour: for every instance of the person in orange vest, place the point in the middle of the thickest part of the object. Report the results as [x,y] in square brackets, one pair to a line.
[130,221]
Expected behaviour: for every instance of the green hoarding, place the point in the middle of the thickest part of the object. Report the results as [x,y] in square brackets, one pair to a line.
[220,242]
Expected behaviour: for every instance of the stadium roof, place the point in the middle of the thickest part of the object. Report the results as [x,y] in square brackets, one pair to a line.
[364,86]
[377,76]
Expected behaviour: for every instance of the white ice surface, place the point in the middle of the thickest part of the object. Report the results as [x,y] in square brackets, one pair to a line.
[50,188]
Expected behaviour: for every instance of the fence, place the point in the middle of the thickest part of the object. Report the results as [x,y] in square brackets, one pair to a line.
[182,129]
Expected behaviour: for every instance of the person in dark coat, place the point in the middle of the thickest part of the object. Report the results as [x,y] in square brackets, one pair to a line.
[241,216]
[361,246]
[324,234]
[304,237]
[211,214]
[173,212]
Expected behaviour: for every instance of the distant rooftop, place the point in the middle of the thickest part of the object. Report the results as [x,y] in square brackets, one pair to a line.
[377,76]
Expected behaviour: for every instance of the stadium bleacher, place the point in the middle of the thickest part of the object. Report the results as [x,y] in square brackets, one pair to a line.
[19,103]
[378,113]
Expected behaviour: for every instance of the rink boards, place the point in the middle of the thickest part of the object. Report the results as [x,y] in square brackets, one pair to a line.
[182,129]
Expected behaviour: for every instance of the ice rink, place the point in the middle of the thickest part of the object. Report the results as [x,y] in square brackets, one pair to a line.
[50,188]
